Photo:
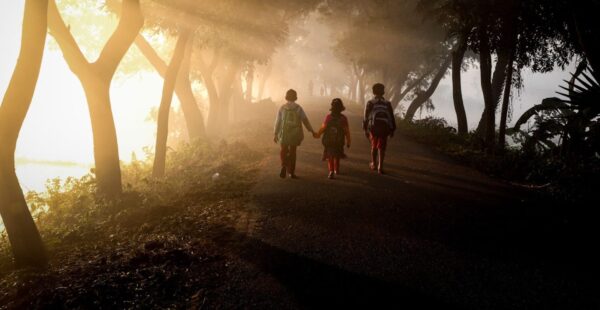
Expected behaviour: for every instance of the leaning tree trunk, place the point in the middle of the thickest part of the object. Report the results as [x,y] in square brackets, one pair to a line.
[26,244]
[96,79]
[183,88]
[506,100]
[459,106]
[422,98]
[162,132]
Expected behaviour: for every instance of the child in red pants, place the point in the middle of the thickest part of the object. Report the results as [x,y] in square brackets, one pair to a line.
[335,131]
[379,124]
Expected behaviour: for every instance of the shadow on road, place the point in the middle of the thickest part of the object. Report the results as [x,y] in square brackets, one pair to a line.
[320,285]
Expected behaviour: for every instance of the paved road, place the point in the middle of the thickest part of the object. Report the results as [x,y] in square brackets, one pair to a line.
[430,233]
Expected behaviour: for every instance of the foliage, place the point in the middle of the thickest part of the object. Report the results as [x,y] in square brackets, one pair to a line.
[554,176]
[568,126]
[69,210]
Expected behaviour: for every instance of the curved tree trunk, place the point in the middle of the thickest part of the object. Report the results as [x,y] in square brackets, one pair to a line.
[96,79]
[422,98]
[458,56]
[26,244]
[183,88]
[162,132]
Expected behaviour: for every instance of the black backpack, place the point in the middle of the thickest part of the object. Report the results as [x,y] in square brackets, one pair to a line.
[334,133]
[380,120]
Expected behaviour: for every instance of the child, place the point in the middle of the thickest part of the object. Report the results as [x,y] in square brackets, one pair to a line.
[335,131]
[379,124]
[289,132]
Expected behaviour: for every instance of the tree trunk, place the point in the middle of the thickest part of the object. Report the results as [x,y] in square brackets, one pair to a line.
[96,79]
[507,44]
[587,31]
[506,102]
[214,107]
[264,79]
[237,98]
[162,132]
[422,98]
[361,91]
[489,112]
[26,244]
[183,88]
[459,106]
[250,83]
[226,89]
[106,149]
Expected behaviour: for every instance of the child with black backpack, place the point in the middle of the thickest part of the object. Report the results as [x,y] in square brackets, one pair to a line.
[379,123]
[336,132]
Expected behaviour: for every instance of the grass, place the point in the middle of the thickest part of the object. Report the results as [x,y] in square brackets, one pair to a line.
[150,247]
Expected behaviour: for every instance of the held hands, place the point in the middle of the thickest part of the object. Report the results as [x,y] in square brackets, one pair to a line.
[315,135]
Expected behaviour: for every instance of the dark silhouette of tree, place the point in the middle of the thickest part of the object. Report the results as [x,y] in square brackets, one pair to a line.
[96,78]
[423,97]
[26,243]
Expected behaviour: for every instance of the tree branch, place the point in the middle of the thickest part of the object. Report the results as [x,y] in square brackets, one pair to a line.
[151,55]
[69,47]
[130,23]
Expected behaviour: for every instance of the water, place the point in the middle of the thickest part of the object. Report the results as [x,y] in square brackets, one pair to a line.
[33,175]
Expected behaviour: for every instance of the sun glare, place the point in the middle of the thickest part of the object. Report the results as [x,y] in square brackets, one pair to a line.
[57,128]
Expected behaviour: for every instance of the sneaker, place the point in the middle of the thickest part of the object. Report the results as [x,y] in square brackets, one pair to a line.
[283,173]
[372,166]
[331,175]
[293,176]
[380,171]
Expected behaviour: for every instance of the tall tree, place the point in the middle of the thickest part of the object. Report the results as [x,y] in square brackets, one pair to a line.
[96,78]
[26,243]
[458,55]
[162,133]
